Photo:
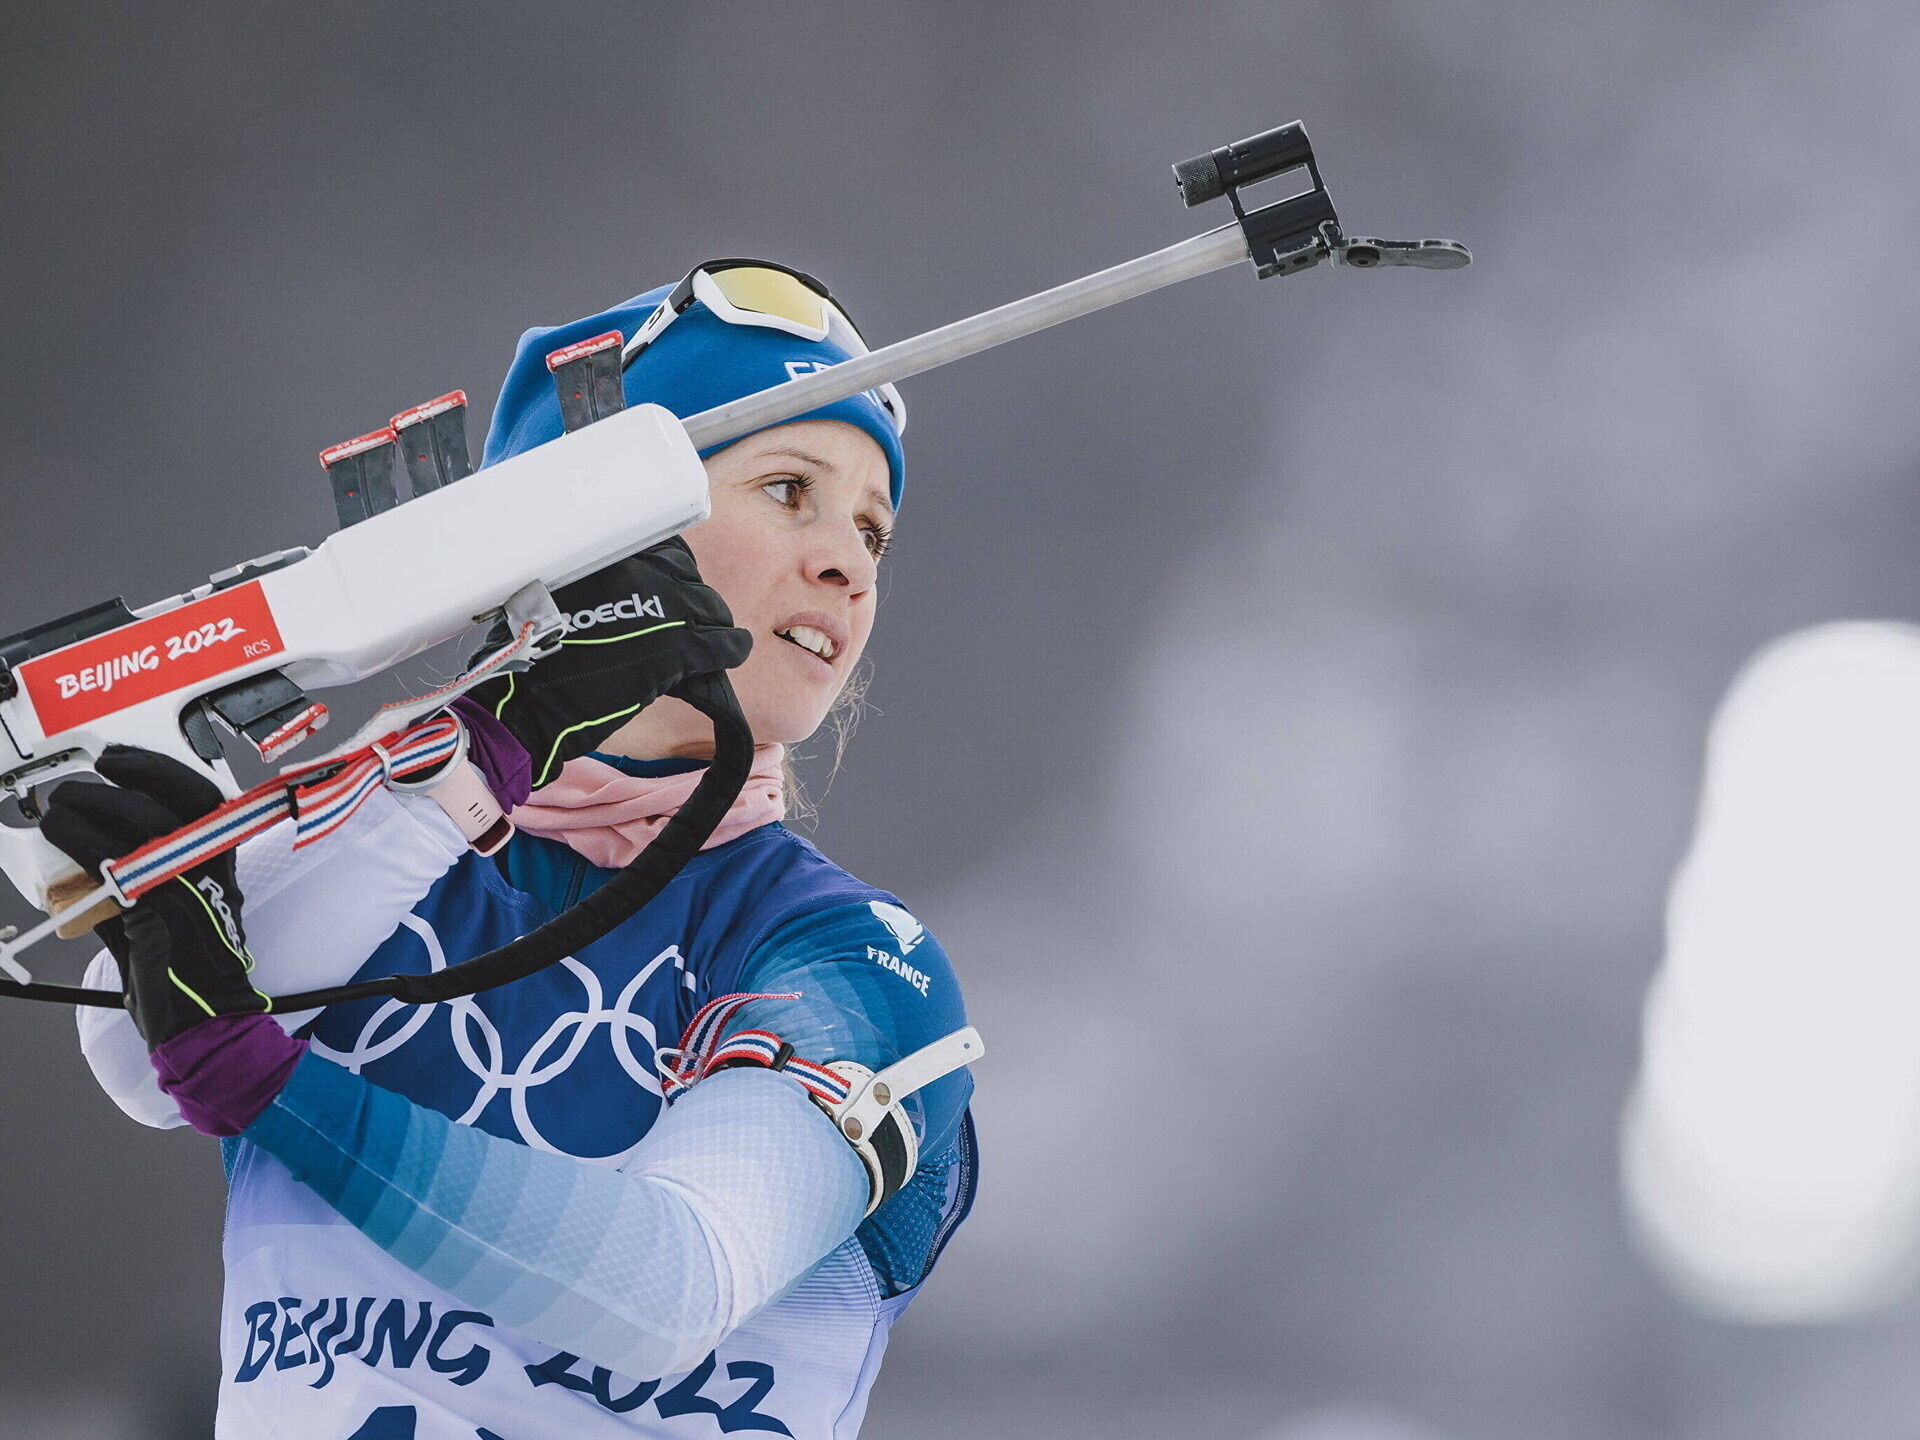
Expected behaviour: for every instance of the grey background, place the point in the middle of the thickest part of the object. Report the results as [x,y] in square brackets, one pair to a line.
[1291,694]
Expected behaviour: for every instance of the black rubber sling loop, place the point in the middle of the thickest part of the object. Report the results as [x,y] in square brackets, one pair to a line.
[609,907]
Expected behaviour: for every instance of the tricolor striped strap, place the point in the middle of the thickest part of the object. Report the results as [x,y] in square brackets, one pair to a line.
[321,795]
[704,1029]
[702,1051]
[319,798]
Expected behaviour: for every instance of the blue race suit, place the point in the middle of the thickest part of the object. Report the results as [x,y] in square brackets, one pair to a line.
[480,1219]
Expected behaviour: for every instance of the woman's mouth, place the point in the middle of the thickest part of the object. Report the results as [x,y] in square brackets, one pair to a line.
[815,642]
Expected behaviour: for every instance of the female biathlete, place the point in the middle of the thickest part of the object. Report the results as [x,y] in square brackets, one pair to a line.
[609,1199]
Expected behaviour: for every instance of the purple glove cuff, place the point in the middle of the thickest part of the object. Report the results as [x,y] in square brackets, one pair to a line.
[502,760]
[223,1072]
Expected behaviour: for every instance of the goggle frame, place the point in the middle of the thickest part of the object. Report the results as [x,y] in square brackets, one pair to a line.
[700,285]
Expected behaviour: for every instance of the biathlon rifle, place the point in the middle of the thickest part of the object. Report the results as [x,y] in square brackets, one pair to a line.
[240,653]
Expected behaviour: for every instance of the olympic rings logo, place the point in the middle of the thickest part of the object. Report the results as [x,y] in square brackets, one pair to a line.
[477,1041]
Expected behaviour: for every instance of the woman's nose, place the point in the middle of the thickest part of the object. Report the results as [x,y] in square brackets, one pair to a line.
[847,562]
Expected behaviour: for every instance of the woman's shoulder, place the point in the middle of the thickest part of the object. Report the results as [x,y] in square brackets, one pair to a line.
[807,908]
[785,873]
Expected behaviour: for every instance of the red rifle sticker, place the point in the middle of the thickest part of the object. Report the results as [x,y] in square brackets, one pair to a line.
[105,673]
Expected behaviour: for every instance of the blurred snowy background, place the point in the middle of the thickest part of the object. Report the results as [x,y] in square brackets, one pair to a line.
[1292,696]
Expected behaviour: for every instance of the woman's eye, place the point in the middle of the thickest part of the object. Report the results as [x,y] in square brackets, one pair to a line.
[787,491]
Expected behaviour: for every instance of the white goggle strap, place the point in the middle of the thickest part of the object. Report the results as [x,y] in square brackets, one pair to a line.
[650,328]
[841,332]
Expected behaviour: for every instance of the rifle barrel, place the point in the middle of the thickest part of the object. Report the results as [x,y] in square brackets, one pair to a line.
[1214,250]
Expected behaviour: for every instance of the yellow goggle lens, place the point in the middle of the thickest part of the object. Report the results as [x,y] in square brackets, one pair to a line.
[771,292]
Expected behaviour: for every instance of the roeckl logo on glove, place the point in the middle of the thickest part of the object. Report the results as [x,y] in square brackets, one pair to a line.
[215,894]
[631,608]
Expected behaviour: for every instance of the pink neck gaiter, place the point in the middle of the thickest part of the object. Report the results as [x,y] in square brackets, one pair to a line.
[610,816]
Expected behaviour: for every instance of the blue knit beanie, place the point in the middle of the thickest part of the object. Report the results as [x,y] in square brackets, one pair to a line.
[698,362]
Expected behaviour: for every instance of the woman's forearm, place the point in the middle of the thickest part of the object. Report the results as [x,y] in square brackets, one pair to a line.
[739,1190]
[313,916]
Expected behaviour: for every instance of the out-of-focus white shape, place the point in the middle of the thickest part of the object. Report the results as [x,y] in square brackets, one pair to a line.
[1349,1422]
[1771,1150]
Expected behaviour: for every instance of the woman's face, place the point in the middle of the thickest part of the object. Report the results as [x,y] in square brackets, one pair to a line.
[800,519]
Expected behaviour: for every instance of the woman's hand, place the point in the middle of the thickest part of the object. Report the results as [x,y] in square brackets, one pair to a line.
[182,951]
[636,629]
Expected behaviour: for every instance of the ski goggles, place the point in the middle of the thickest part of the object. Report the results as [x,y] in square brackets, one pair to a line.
[771,297]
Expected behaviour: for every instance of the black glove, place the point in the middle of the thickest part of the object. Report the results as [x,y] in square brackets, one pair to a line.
[636,629]
[183,956]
